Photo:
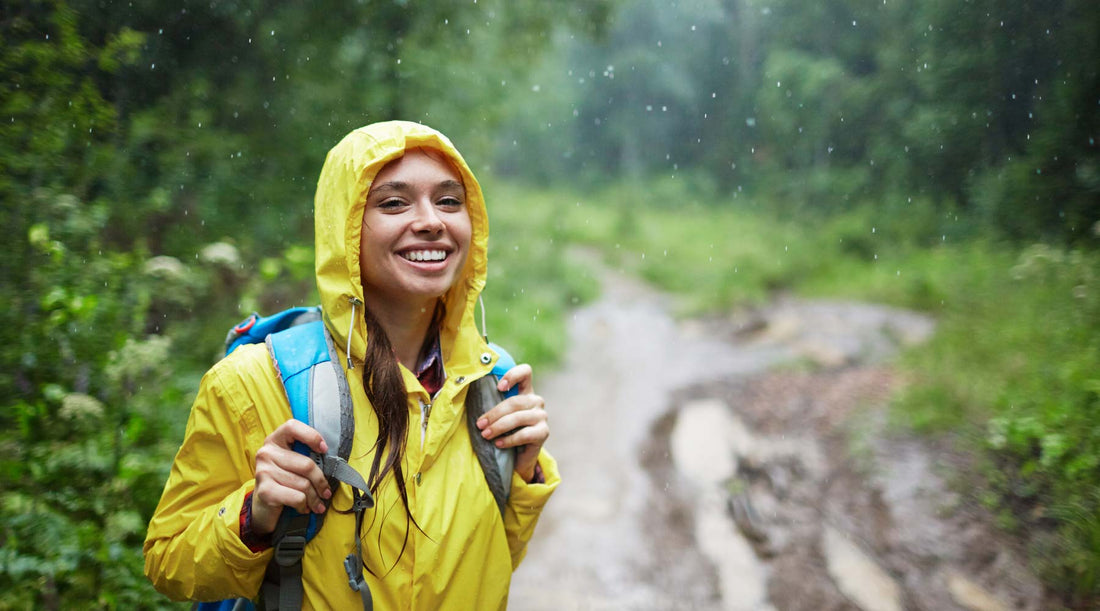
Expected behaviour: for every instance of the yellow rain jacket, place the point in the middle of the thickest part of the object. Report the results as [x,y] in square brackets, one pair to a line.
[465,555]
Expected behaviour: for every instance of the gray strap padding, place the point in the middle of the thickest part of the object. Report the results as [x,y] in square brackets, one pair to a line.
[497,463]
[324,396]
[343,395]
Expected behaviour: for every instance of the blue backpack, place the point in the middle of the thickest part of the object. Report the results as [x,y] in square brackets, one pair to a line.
[317,388]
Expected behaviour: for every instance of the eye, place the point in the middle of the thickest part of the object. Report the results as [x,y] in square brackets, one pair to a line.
[449,202]
[391,204]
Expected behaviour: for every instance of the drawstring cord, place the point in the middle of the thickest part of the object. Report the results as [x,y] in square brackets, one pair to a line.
[484,332]
[351,325]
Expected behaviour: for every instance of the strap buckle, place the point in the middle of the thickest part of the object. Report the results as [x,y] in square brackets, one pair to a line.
[355,574]
[290,549]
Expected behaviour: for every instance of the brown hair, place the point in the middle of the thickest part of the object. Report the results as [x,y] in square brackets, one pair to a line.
[385,389]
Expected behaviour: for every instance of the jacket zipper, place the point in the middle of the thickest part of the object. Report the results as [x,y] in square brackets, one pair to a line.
[425,411]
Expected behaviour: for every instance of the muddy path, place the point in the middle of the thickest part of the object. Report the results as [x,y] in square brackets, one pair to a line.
[747,463]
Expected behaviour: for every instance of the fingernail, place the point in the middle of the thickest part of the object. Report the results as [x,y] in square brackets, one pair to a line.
[482,422]
[327,494]
[320,508]
[500,443]
[486,433]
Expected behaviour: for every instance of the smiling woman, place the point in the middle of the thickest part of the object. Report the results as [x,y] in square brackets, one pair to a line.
[401,243]
[416,235]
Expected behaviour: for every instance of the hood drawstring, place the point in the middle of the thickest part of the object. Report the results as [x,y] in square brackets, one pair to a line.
[484,332]
[354,302]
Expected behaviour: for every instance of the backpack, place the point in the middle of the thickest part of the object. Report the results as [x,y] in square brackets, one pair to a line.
[317,388]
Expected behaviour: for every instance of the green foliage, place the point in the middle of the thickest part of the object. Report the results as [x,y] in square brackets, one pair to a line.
[987,106]
[533,277]
[157,164]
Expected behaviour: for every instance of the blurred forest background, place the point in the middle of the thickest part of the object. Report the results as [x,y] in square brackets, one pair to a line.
[158,161]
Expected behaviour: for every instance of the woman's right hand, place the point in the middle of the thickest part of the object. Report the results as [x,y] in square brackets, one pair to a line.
[286,478]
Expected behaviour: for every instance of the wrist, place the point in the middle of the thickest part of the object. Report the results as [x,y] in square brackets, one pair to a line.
[255,541]
[534,475]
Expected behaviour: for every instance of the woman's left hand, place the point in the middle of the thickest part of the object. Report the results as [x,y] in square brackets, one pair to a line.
[518,421]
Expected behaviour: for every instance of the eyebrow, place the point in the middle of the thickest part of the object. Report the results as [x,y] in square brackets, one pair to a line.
[397,185]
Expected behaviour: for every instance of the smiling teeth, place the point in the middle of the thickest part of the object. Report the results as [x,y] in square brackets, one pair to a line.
[425,255]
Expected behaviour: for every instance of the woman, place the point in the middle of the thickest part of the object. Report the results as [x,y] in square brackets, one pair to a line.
[401,236]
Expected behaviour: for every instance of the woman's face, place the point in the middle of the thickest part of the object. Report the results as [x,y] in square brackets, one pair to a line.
[416,231]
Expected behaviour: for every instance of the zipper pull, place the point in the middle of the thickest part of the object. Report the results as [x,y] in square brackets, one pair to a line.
[425,411]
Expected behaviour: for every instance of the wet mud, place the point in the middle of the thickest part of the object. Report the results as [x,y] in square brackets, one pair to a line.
[748,462]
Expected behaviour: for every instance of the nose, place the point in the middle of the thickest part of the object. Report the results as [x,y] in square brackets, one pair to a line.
[427,219]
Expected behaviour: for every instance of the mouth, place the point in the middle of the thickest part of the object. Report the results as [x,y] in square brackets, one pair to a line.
[424,256]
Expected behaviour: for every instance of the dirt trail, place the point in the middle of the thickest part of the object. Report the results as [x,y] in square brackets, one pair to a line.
[699,474]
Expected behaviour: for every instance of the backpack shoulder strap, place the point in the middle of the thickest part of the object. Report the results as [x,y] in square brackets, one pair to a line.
[317,389]
[482,396]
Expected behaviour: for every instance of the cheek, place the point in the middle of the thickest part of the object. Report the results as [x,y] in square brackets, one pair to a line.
[463,232]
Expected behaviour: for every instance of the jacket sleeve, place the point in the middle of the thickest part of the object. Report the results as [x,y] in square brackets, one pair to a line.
[193,549]
[525,503]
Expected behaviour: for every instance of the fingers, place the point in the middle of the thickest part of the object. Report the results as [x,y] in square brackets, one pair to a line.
[518,375]
[530,437]
[286,477]
[296,430]
[514,412]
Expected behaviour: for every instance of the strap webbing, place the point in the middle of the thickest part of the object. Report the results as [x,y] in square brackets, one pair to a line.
[353,564]
[282,586]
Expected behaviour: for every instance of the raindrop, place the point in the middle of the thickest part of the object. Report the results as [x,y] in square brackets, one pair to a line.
[152,66]
[536,88]
[853,23]
[272,32]
[713,94]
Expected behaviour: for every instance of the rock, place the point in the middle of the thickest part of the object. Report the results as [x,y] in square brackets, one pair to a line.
[970,595]
[859,577]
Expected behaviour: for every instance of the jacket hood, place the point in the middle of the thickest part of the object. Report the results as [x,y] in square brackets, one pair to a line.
[346,177]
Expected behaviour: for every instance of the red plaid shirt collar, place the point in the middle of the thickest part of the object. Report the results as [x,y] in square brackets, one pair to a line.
[430,370]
